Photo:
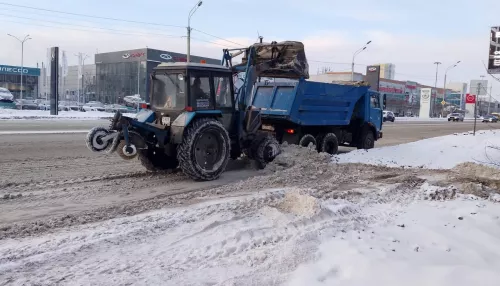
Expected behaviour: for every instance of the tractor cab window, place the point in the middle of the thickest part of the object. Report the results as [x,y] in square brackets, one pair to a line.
[222,85]
[200,91]
[168,91]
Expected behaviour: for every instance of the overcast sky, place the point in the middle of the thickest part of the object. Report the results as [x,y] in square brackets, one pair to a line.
[410,34]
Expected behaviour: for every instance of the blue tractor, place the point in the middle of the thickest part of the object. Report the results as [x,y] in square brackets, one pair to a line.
[200,115]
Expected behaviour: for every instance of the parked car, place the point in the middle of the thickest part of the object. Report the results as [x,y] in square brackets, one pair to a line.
[7,104]
[388,116]
[5,94]
[93,106]
[489,118]
[455,117]
[27,104]
[117,107]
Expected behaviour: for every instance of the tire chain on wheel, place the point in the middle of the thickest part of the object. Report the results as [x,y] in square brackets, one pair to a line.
[184,151]
[258,148]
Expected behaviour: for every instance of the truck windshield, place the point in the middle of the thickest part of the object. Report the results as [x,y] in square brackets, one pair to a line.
[168,91]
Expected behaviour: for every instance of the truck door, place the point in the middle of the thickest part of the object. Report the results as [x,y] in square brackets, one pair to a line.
[224,98]
[375,110]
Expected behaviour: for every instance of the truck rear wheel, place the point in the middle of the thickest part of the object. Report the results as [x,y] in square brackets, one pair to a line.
[204,152]
[306,140]
[330,144]
[154,160]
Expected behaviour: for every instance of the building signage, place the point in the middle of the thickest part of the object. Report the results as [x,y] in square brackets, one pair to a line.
[19,70]
[389,87]
[133,55]
[425,95]
[494,51]
[470,98]
[166,56]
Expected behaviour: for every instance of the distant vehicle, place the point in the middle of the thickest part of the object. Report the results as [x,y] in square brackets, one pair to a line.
[455,117]
[489,118]
[388,116]
[94,106]
[133,100]
[5,94]
[27,104]
[117,107]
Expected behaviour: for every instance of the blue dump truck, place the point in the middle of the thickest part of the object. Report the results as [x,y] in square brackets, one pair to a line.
[202,115]
[324,114]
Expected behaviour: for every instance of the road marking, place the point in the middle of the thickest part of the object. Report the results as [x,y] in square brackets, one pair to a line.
[42,132]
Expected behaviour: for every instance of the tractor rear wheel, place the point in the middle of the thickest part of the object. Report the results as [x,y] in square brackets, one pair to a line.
[205,149]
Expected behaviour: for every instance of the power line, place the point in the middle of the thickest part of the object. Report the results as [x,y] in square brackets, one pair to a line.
[218,37]
[92,27]
[86,30]
[89,16]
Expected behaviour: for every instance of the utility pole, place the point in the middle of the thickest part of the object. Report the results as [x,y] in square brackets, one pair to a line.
[354,55]
[83,69]
[444,85]
[26,38]
[475,106]
[189,29]
[489,102]
[433,101]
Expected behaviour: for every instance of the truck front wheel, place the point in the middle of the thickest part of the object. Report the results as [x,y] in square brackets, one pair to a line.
[367,140]
[205,149]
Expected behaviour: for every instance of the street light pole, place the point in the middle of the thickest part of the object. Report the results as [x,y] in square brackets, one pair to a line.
[27,37]
[354,55]
[445,73]
[433,101]
[83,69]
[189,29]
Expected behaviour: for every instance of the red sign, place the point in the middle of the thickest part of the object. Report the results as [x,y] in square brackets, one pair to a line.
[133,55]
[470,98]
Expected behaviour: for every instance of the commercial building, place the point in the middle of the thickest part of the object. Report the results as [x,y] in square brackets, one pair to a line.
[387,71]
[124,73]
[10,78]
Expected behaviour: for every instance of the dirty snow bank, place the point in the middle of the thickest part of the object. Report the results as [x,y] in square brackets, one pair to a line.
[435,153]
[45,114]
[432,243]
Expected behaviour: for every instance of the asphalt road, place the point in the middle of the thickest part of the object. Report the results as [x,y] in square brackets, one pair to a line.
[51,180]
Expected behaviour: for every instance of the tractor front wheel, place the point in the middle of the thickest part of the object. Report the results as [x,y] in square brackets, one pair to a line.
[205,149]
[154,159]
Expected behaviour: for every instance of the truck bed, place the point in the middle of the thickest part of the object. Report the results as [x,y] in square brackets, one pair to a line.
[308,103]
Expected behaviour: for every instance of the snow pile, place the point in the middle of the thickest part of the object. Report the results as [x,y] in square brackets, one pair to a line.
[45,114]
[435,153]
[451,243]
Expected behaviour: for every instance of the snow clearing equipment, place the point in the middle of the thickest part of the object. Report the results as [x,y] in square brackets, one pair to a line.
[200,115]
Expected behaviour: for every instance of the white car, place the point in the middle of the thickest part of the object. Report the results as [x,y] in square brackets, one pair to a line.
[93,106]
[5,94]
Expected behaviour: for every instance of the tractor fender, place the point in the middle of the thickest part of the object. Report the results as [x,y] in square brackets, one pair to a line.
[184,119]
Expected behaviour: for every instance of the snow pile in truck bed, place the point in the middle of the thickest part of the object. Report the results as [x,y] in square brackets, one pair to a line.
[45,114]
[435,153]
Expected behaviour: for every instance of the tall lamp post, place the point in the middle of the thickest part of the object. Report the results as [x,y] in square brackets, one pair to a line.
[354,55]
[189,29]
[433,101]
[445,73]
[27,37]
[85,56]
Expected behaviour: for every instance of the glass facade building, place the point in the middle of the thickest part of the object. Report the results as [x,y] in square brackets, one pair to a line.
[10,78]
[124,73]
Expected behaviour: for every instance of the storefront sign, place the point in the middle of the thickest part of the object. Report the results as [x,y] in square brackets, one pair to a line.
[133,55]
[166,56]
[470,98]
[390,87]
[19,70]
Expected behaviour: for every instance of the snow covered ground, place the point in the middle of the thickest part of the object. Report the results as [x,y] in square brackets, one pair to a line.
[435,153]
[304,221]
[45,114]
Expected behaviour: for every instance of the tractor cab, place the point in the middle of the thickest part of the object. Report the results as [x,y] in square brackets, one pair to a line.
[191,87]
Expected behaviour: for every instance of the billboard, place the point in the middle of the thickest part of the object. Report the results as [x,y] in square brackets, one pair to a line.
[373,77]
[425,102]
[494,51]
